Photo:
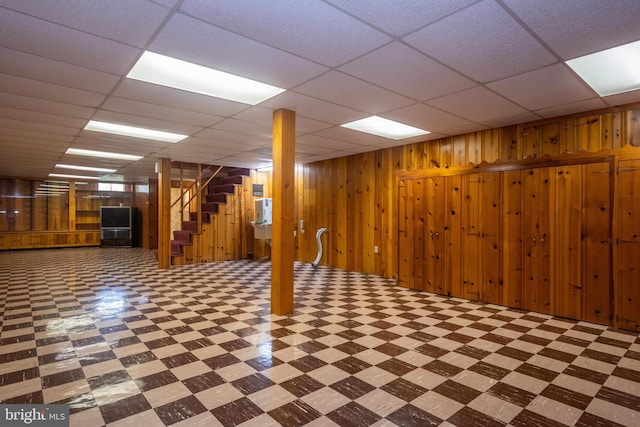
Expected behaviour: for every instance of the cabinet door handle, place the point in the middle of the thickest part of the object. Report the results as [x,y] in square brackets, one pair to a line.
[534,241]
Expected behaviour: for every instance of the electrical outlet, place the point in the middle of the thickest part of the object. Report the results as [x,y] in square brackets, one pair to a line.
[375,249]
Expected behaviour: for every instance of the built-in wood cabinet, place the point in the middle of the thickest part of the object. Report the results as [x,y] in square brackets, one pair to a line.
[48,239]
[537,235]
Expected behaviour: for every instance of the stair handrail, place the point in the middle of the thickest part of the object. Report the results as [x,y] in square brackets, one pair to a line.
[205,185]
[182,194]
[195,193]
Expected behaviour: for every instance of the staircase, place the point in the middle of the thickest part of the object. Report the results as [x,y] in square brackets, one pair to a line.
[214,195]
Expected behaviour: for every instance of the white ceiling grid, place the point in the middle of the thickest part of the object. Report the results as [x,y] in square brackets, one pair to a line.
[448,67]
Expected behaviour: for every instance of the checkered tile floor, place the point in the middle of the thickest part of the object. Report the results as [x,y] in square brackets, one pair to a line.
[123,343]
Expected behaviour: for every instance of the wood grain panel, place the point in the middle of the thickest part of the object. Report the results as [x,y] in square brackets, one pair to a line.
[536,235]
[471,238]
[568,285]
[436,236]
[530,142]
[627,285]
[422,225]
[512,238]
[597,213]
[406,206]
[453,237]
[491,236]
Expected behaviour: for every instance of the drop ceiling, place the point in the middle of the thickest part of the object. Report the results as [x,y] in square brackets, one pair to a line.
[449,67]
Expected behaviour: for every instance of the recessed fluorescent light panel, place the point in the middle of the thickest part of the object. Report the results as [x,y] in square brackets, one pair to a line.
[85,168]
[610,71]
[103,154]
[61,175]
[133,131]
[386,128]
[166,71]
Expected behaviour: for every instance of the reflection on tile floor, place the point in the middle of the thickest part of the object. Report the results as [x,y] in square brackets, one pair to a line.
[123,343]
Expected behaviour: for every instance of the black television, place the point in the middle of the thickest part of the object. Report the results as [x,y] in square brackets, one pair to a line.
[115,217]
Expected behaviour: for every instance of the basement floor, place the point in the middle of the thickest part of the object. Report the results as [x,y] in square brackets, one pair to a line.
[123,343]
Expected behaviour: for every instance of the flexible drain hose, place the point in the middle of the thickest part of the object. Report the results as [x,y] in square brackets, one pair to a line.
[319,257]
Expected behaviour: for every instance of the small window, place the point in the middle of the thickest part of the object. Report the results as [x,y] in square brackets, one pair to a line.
[108,186]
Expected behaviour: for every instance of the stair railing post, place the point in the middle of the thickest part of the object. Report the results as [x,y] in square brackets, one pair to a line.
[199,197]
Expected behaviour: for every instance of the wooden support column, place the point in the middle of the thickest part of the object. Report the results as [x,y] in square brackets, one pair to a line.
[164,213]
[282,243]
[72,206]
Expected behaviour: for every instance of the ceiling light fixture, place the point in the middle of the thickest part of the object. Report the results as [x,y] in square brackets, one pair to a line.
[166,71]
[610,71]
[384,127]
[85,168]
[61,175]
[103,154]
[134,132]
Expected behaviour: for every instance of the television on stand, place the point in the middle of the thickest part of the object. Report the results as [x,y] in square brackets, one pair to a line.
[119,226]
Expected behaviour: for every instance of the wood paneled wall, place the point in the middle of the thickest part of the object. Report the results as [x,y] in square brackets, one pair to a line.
[355,197]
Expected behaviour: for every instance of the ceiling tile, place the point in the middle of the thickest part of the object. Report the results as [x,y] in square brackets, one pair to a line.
[477,104]
[48,91]
[400,19]
[37,127]
[507,121]
[225,139]
[250,130]
[404,70]
[38,37]
[623,98]
[330,143]
[590,104]
[42,118]
[491,43]
[130,22]
[574,28]
[28,133]
[426,117]
[350,92]
[145,122]
[307,28]
[544,88]
[310,107]
[264,117]
[48,70]
[160,112]
[198,42]
[175,98]
[19,102]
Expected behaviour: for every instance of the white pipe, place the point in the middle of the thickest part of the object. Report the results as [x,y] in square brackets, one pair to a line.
[318,235]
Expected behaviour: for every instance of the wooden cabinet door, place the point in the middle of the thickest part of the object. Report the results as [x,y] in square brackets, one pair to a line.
[472,238]
[406,226]
[538,204]
[491,221]
[568,283]
[453,237]
[597,243]
[627,285]
[512,241]
[434,235]
[481,277]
